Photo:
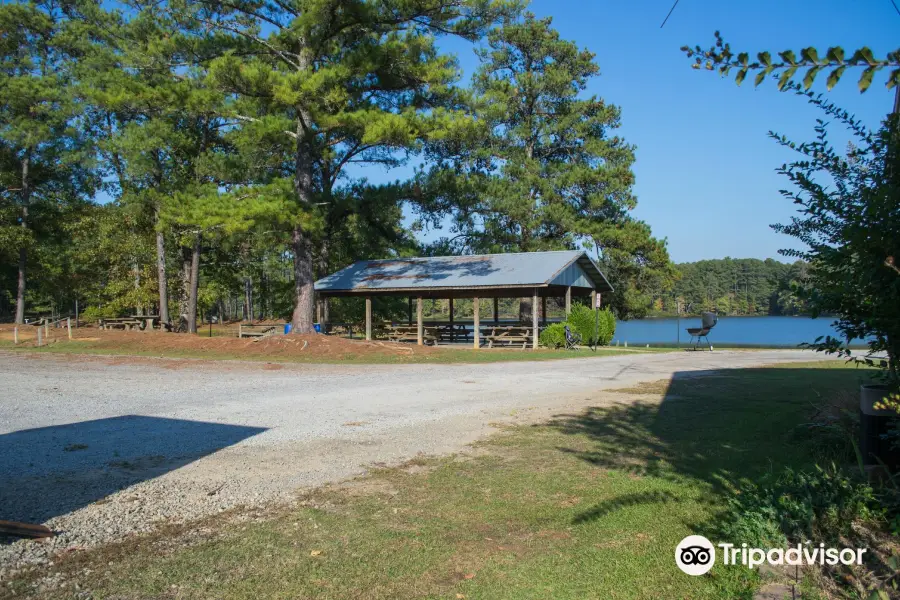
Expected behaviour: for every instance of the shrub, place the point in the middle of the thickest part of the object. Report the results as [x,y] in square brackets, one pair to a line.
[582,321]
[92,314]
[554,336]
[850,226]
[799,506]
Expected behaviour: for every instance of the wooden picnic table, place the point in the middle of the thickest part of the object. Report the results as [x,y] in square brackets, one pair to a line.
[410,333]
[510,335]
[142,322]
[125,323]
[451,333]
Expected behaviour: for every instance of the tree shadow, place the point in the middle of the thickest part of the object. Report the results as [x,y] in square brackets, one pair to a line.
[717,428]
[51,471]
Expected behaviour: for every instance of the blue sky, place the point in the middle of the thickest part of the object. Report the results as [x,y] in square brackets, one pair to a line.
[705,167]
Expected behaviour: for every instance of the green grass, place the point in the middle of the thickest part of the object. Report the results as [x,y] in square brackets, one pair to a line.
[446,355]
[590,505]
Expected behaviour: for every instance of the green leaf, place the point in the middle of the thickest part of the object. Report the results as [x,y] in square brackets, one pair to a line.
[743,58]
[760,77]
[834,77]
[810,77]
[785,77]
[739,78]
[788,57]
[764,58]
[865,80]
[894,79]
[835,55]
[810,54]
[866,53]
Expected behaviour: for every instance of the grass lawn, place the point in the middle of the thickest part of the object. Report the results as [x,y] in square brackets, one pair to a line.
[590,505]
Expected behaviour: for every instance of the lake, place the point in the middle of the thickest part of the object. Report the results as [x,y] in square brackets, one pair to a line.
[767,331]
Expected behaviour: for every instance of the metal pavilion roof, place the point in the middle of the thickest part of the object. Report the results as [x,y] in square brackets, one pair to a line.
[485,271]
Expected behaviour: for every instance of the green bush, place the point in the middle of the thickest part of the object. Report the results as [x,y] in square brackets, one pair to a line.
[797,506]
[554,336]
[92,314]
[582,321]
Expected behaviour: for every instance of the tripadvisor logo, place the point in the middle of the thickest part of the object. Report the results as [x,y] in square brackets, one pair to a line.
[696,555]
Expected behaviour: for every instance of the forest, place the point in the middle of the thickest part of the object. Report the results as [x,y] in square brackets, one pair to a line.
[200,159]
[736,286]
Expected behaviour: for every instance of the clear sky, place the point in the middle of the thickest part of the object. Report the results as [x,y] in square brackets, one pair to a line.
[705,167]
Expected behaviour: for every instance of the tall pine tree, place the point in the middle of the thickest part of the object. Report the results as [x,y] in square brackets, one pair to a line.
[45,156]
[340,82]
[546,170]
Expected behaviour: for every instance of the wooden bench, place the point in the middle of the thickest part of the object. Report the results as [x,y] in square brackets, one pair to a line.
[125,323]
[508,336]
[410,333]
[257,331]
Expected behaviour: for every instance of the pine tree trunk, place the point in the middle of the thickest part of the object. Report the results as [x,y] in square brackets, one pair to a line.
[20,294]
[525,309]
[161,275]
[184,300]
[194,286]
[304,293]
[23,251]
[248,301]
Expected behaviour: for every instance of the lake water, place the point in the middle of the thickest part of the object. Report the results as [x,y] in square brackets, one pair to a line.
[768,331]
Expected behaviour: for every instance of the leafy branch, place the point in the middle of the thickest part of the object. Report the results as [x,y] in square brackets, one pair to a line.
[720,58]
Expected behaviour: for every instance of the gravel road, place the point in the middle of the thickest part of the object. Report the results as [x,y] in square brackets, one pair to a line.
[98,448]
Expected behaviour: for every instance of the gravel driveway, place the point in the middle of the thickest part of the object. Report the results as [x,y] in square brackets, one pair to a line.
[102,447]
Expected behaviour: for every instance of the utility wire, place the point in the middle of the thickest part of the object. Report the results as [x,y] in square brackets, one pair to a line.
[671,10]
[895,7]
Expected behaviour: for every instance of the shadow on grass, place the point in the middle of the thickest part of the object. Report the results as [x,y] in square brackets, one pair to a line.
[712,429]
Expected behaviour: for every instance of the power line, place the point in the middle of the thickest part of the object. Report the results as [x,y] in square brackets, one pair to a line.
[671,10]
[895,7]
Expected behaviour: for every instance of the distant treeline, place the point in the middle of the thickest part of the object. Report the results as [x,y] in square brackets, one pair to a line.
[735,286]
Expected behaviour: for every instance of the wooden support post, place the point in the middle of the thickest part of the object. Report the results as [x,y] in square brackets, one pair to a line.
[534,320]
[69,326]
[568,300]
[420,333]
[476,332]
[40,337]
[368,318]
[451,310]
[15,335]
[410,310]
[594,299]
[240,330]
[47,329]
[544,310]
[496,311]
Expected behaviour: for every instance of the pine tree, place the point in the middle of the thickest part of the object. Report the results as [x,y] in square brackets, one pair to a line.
[545,171]
[45,156]
[337,82]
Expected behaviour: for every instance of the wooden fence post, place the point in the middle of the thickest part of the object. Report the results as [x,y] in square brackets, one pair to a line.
[15,335]
[240,330]
[40,340]
[69,326]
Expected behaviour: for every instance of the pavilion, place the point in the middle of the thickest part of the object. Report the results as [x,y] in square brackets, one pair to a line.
[541,275]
